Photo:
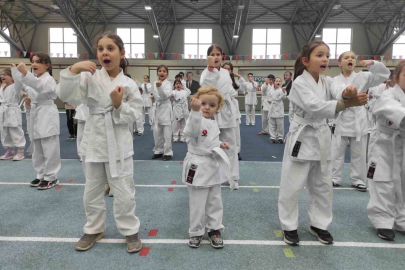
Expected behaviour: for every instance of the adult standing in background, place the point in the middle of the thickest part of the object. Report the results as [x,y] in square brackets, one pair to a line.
[191,84]
[287,81]
[72,127]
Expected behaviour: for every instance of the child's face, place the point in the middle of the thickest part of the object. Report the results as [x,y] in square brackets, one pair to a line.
[162,73]
[318,60]
[228,68]
[278,83]
[250,77]
[218,57]
[7,79]
[145,79]
[38,68]
[108,53]
[271,81]
[287,76]
[177,86]
[209,105]
[401,80]
[348,61]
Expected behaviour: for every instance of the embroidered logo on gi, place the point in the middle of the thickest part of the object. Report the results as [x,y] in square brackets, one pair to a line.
[296,149]
[204,132]
[371,170]
[389,123]
[191,173]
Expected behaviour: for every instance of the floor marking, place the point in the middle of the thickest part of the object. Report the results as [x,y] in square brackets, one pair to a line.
[144,252]
[181,162]
[70,181]
[59,187]
[163,186]
[167,166]
[174,182]
[273,156]
[153,232]
[252,183]
[255,190]
[288,253]
[185,241]
[170,189]
[278,233]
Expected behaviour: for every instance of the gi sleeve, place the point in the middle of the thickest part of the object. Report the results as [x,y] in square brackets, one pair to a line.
[72,87]
[390,108]
[193,124]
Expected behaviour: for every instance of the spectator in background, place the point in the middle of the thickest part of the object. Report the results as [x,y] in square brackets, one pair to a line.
[72,127]
[191,84]
[287,81]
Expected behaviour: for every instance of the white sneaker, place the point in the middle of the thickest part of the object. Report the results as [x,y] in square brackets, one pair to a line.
[236,187]
[8,155]
[19,156]
[183,140]
[175,140]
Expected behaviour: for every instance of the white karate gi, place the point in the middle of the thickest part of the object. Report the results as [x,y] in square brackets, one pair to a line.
[147,90]
[352,124]
[235,102]
[386,173]
[162,122]
[107,146]
[44,124]
[306,161]
[221,80]
[82,112]
[250,101]
[180,112]
[266,89]
[276,114]
[205,167]
[12,134]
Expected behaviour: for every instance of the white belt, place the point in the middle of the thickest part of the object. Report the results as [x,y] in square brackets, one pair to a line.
[3,108]
[315,124]
[111,140]
[33,112]
[217,153]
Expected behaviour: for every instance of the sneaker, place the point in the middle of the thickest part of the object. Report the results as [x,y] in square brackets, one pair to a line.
[175,140]
[236,187]
[216,239]
[323,236]
[110,194]
[140,134]
[18,156]
[166,158]
[263,133]
[134,244]
[183,140]
[335,185]
[73,138]
[239,156]
[70,138]
[156,156]
[47,184]
[8,155]
[280,141]
[35,183]
[273,141]
[291,238]
[386,234]
[87,241]
[195,241]
[360,187]
[26,133]
[253,124]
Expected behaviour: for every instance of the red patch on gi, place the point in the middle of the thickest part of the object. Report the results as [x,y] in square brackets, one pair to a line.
[170,189]
[204,132]
[144,252]
[390,123]
[153,232]
[58,187]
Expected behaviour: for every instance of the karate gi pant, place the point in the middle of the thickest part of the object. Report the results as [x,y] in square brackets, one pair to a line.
[237,134]
[162,135]
[27,116]
[46,157]
[229,135]
[206,209]
[319,193]
[358,163]
[250,114]
[178,128]
[386,208]
[276,128]
[80,130]
[123,188]
[149,111]
[265,121]
[13,137]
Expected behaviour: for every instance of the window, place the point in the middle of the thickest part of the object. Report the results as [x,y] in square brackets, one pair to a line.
[197,42]
[62,41]
[399,46]
[338,39]
[134,41]
[266,42]
[4,46]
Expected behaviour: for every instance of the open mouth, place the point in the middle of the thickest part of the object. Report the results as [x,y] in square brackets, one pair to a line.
[35,69]
[107,61]
[323,66]
[350,64]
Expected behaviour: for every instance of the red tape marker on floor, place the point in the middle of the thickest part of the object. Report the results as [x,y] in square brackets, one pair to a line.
[153,232]
[170,189]
[174,182]
[70,181]
[181,162]
[144,252]
[58,187]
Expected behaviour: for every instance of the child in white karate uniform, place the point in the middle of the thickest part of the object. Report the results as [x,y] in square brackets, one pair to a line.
[250,100]
[12,134]
[44,120]
[82,112]
[146,90]
[205,167]
[306,161]
[266,88]
[180,110]
[386,208]
[276,112]
[107,146]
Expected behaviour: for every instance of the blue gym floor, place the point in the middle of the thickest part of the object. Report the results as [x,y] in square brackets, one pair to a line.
[38,229]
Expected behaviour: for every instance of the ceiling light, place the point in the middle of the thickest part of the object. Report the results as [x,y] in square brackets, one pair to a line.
[336,6]
[55,7]
[235,36]
[155,36]
[148,7]
[318,36]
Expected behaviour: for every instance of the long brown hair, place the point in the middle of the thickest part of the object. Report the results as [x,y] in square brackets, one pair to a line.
[235,86]
[306,52]
[398,69]
[214,46]
[43,59]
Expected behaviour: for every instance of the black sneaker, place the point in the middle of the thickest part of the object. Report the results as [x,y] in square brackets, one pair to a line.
[70,138]
[273,141]
[280,141]
[47,184]
[216,239]
[156,156]
[239,156]
[335,185]
[291,238]
[195,241]
[166,158]
[323,236]
[360,187]
[35,183]
[386,234]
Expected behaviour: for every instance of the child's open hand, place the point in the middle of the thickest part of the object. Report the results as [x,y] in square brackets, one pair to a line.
[84,66]
[22,68]
[365,63]
[159,83]
[225,145]
[116,96]
[195,104]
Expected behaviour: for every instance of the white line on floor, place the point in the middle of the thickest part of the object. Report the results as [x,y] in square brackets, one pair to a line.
[185,241]
[159,186]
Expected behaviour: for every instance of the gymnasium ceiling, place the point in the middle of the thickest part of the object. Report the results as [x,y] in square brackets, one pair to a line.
[306,17]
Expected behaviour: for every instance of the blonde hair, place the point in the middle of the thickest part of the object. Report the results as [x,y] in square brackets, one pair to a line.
[210,90]
[398,69]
